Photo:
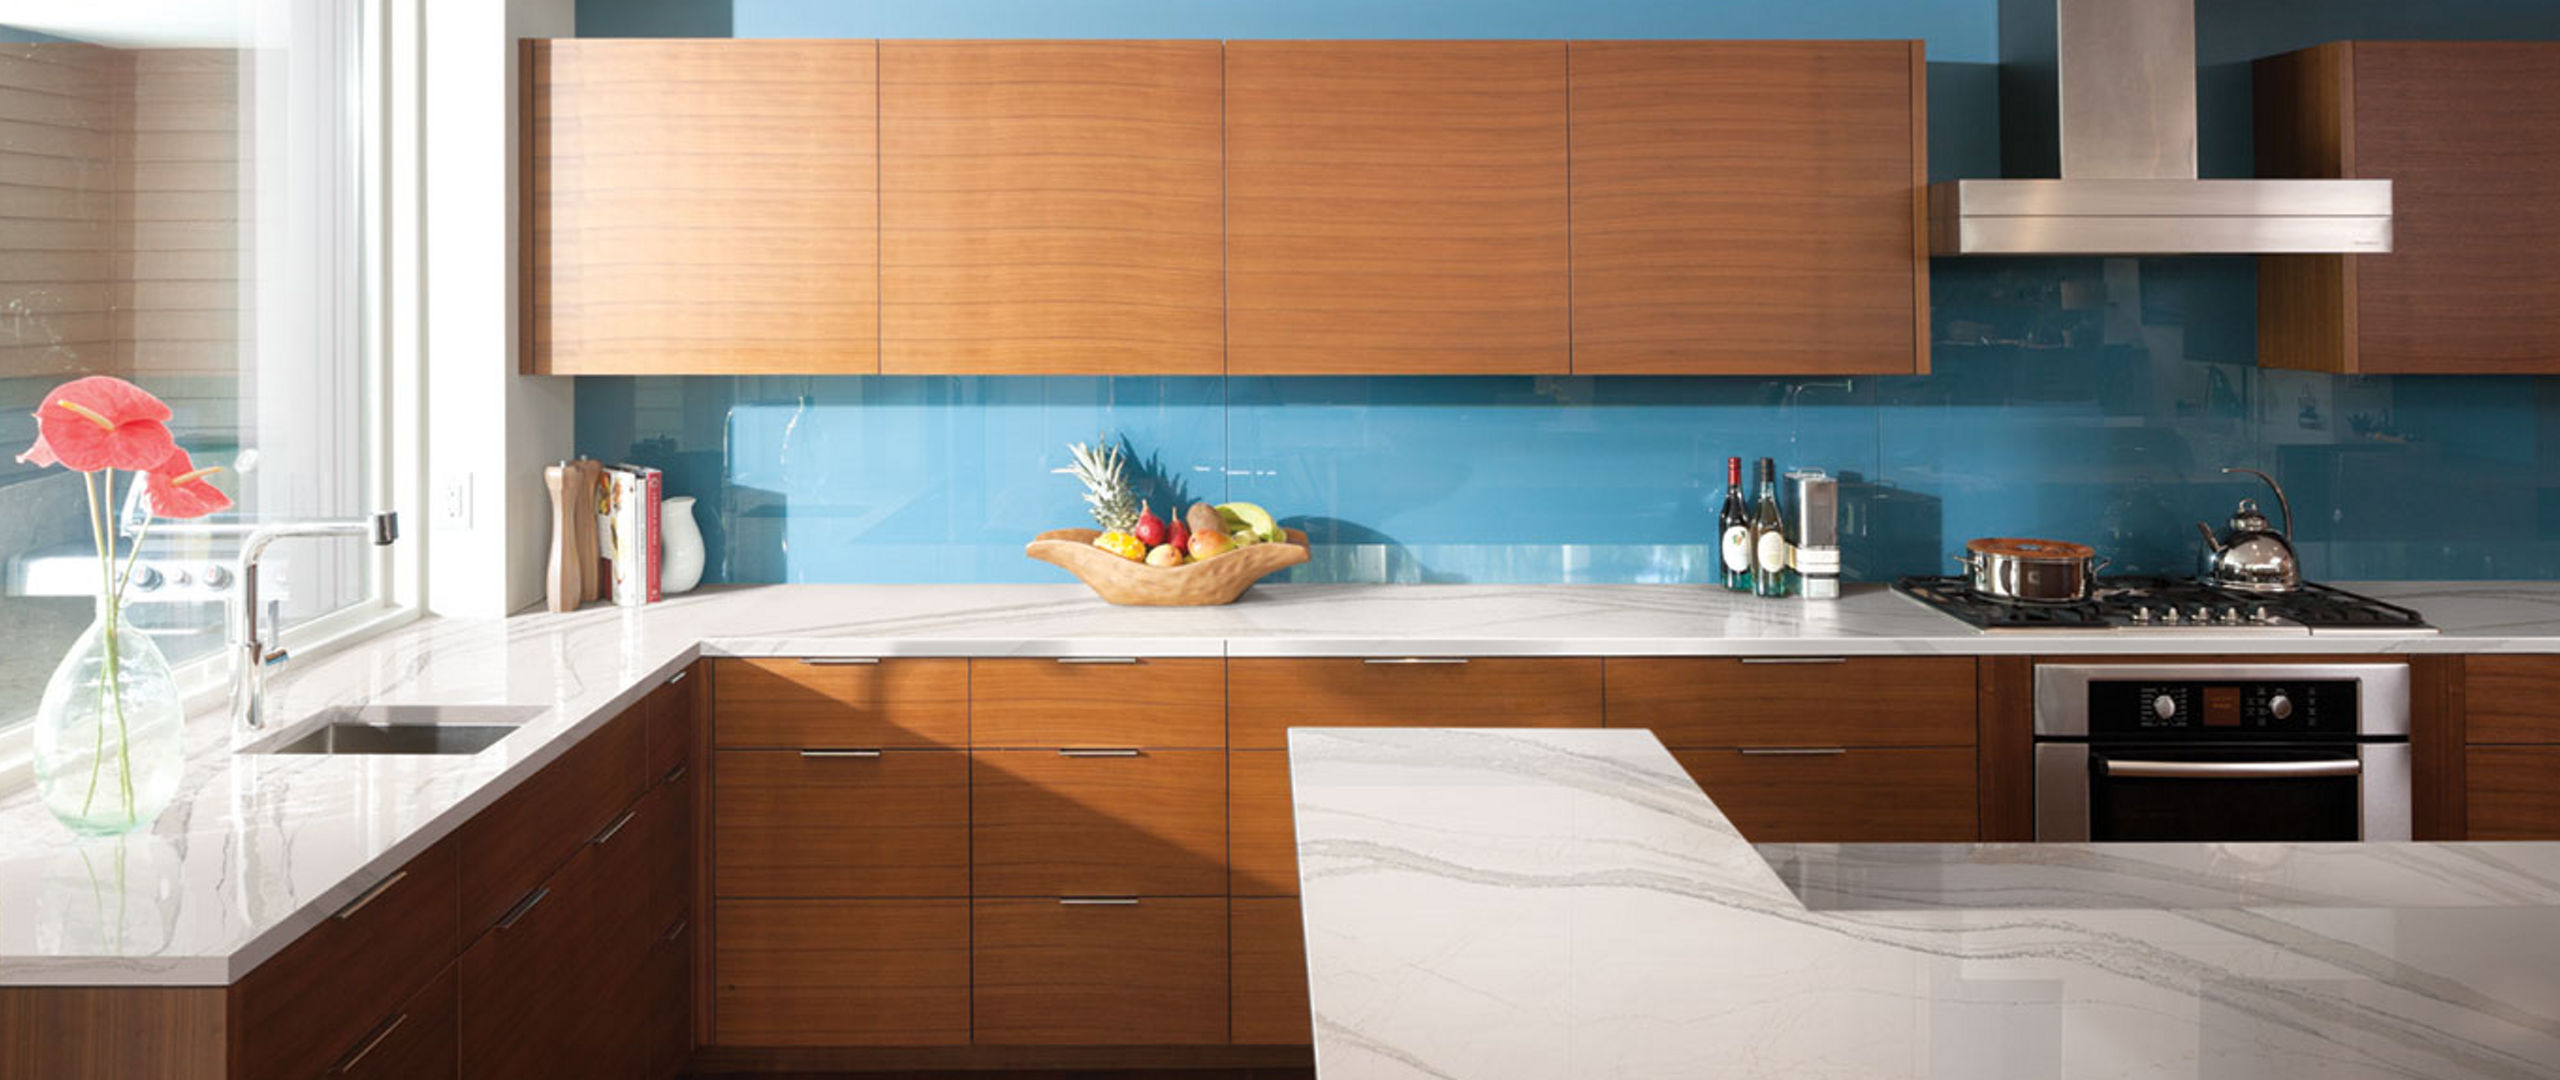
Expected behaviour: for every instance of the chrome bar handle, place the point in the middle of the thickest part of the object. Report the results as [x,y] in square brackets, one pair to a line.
[839,661]
[839,753]
[523,907]
[1099,751]
[1795,659]
[1098,901]
[348,1064]
[2233,770]
[1400,660]
[615,829]
[367,897]
[1097,659]
[1793,751]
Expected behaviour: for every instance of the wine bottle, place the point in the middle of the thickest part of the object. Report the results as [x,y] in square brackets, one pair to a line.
[1768,537]
[1733,530]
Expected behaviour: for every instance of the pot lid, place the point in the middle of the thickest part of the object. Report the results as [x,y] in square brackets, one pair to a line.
[2019,547]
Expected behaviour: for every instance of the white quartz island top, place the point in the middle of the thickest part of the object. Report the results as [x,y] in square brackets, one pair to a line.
[257,849]
[1558,904]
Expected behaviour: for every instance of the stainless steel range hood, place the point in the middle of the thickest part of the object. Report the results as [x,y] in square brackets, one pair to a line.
[2102,93]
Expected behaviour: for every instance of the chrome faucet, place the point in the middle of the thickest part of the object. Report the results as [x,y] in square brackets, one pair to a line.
[252,638]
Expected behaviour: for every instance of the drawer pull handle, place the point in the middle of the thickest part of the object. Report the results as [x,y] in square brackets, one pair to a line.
[839,753]
[1097,659]
[673,775]
[1793,751]
[1114,751]
[367,897]
[2232,770]
[677,677]
[676,931]
[838,661]
[523,907]
[1415,660]
[349,1063]
[615,829]
[1098,901]
[1795,659]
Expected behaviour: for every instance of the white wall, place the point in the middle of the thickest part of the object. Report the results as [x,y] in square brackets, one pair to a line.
[489,430]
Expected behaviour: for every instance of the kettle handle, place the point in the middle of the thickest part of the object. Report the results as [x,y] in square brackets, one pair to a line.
[2282,503]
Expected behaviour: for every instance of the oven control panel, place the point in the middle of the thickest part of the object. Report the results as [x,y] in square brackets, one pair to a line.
[2250,707]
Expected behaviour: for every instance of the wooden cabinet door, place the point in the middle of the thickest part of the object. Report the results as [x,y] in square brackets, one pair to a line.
[318,999]
[530,987]
[703,207]
[841,973]
[1051,207]
[507,849]
[1262,831]
[1842,796]
[1143,972]
[2468,133]
[1267,697]
[2514,792]
[823,824]
[1795,701]
[1268,940]
[1045,823]
[819,703]
[1749,207]
[1396,207]
[1047,704]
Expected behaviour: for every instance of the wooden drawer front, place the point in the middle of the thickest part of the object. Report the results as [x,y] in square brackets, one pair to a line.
[532,994]
[1262,835]
[2514,792]
[1853,796]
[1047,824]
[1148,973]
[510,847]
[1166,704]
[787,704]
[1268,941]
[416,1043]
[2511,699]
[1878,701]
[841,973]
[894,824]
[669,722]
[1268,697]
[313,1002]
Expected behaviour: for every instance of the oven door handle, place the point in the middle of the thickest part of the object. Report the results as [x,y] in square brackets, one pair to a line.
[2232,770]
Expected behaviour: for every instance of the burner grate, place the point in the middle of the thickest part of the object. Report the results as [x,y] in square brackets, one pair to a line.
[2156,603]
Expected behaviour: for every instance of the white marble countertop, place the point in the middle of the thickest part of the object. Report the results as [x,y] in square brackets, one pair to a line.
[1562,904]
[257,849]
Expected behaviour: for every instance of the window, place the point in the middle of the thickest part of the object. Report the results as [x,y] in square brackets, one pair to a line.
[184,192]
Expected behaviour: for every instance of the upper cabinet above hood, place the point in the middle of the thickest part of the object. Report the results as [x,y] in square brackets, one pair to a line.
[2103,93]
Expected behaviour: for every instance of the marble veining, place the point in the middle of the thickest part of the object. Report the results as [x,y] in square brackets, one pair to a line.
[257,849]
[1554,904]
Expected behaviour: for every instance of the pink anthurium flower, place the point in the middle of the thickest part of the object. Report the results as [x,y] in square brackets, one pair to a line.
[40,455]
[177,489]
[102,422]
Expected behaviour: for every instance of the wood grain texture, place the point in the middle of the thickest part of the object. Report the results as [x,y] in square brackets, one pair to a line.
[1262,833]
[509,848]
[1158,704]
[667,1011]
[1268,697]
[1051,207]
[2304,104]
[667,722]
[2514,793]
[2437,787]
[1043,824]
[1858,796]
[416,1043]
[781,703]
[1267,941]
[310,1004]
[529,992]
[2511,699]
[1396,207]
[1859,701]
[2005,756]
[793,826]
[112,1031]
[842,973]
[705,207]
[1748,207]
[1151,973]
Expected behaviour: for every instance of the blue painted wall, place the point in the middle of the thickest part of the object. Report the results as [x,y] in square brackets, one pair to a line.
[2077,398]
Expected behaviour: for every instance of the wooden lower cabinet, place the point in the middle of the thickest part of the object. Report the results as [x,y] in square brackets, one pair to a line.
[841,973]
[1267,943]
[1262,835]
[1058,973]
[1853,795]
[1269,696]
[2514,792]
[315,1002]
[1796,701]
[1047,824]
[530,985]
[823,824]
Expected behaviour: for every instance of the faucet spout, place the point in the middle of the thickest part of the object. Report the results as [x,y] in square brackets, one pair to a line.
[252,638]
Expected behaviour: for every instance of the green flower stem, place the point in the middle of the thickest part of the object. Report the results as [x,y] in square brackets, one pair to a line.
[97,537]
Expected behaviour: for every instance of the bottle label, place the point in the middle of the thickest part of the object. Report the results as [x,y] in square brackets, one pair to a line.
[1773,550]
[1737,549]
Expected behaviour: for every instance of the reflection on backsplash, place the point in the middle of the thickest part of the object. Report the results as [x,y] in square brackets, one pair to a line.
[2092,400]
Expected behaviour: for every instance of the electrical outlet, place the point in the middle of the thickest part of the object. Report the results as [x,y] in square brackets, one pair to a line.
[454,503]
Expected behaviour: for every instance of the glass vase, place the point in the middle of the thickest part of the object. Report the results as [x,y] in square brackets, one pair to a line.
[110,735]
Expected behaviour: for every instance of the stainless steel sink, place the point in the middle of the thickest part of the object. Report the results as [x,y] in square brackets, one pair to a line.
[399,729]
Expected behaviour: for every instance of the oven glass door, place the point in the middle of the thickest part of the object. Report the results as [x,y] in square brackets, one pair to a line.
[2174,792]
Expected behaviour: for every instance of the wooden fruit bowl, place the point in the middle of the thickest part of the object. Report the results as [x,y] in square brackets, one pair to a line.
[1122,581]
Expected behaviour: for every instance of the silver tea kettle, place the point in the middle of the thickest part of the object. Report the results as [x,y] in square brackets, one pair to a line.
[2250,555]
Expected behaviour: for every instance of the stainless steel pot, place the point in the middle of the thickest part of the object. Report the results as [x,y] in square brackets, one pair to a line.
[2029,571]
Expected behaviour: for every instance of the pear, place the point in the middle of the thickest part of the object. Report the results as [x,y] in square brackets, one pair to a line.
[1204,518]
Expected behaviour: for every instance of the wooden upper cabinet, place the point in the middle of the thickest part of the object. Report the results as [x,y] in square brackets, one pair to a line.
[2468,133]
[1749,207]
[701,207]
[1396,207]
[1051,207]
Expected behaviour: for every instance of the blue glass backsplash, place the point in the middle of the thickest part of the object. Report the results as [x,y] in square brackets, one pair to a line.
[2092,400]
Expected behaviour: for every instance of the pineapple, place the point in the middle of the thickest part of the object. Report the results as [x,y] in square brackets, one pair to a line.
[1104,474]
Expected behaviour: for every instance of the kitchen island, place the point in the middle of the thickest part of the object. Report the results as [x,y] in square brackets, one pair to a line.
[1550,904]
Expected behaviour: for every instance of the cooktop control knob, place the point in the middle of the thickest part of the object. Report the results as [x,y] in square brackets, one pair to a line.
[2280,706]
[2165,706]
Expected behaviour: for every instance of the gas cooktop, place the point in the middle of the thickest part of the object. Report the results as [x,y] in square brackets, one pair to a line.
[2156,603]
